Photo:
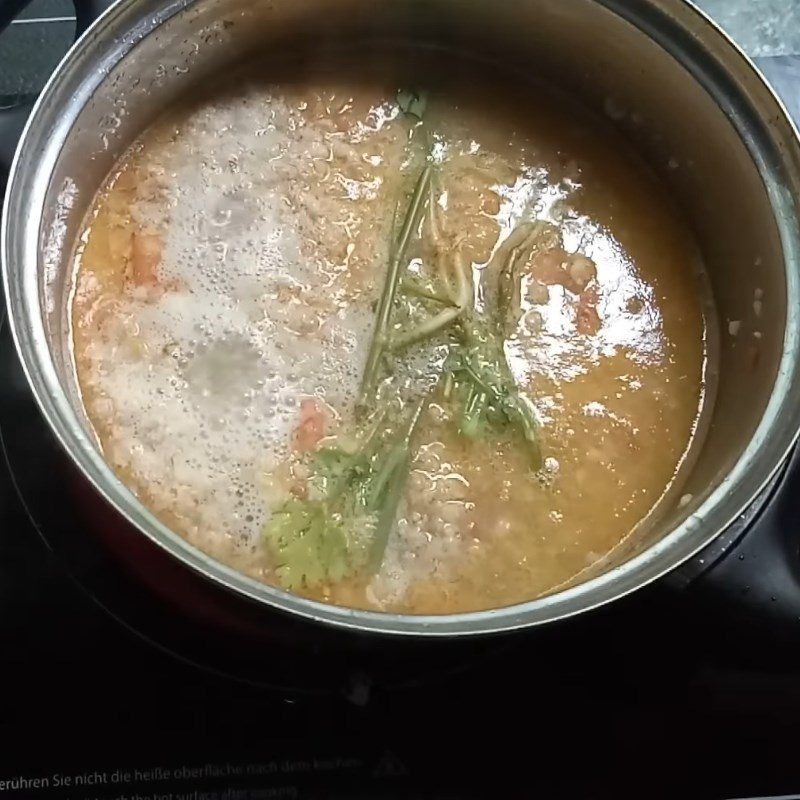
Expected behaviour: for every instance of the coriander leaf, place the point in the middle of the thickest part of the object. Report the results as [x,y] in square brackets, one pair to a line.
[332,469]
[311,545]
[484,391]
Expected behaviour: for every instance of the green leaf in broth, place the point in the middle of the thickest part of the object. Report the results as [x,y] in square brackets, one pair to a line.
[332,469]
[344,523]
[313,544]
[484,391]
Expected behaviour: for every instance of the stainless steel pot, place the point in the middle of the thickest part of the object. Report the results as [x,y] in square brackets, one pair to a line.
[684,94]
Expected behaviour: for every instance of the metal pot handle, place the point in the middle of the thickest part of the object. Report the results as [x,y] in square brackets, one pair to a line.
[12,120]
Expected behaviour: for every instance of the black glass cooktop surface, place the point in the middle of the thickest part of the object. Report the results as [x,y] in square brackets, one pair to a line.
[107,693]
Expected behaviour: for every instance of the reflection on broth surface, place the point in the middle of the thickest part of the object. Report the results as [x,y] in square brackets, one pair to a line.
[413,352]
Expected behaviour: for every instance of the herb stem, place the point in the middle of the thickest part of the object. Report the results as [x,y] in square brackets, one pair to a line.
[426,329]
[380,334]
[475,407]
[413,288]
[392,485]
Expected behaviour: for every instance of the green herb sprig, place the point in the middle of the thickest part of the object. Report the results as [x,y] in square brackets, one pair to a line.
[341,528]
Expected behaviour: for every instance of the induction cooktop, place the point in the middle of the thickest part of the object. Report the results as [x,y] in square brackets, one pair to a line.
[683,690]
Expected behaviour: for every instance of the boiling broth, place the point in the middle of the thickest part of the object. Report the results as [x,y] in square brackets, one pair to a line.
[226,286]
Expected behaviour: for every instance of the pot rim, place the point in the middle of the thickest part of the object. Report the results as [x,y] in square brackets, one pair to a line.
[29,178]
